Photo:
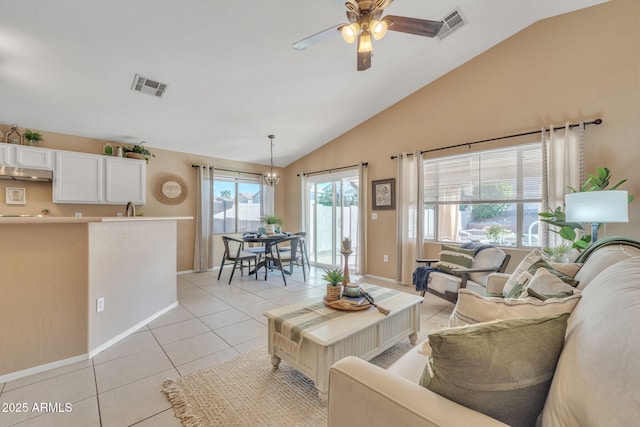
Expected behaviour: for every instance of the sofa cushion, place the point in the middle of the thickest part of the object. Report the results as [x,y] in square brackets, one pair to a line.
[472,308]
[597,380]
[603,258]
[502,369]
[452,257]
[524,265]
[544,285]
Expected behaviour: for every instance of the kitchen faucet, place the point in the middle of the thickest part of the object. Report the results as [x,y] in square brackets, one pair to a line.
[131,209]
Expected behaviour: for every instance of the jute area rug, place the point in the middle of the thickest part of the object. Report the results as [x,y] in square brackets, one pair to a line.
[247,392]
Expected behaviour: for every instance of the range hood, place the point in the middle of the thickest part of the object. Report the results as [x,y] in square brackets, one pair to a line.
[25,174]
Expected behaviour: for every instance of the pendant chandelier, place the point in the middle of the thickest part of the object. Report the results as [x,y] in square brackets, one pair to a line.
[271,176]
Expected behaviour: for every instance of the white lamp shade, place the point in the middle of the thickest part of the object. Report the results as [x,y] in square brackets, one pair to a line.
[597,206]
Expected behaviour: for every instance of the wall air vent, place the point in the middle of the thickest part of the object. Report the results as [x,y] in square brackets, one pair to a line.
[148,86]
[452,22]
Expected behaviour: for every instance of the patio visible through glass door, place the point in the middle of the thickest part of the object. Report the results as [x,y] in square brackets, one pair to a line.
[333,215]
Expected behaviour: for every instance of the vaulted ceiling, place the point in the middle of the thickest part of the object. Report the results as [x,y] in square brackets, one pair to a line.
[233,77]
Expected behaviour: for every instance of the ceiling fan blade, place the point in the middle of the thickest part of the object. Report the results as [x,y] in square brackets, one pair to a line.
[364,61]
[382,4]
[419,27]
[306,42]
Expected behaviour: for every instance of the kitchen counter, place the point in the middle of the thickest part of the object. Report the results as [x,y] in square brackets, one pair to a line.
[84,219]
[72,287]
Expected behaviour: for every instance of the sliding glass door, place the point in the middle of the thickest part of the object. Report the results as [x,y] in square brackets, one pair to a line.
[332,202]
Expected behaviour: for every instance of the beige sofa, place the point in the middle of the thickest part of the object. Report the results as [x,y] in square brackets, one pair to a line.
[596,381]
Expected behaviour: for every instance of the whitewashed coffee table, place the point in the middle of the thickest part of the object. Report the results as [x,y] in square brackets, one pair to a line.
[322,335]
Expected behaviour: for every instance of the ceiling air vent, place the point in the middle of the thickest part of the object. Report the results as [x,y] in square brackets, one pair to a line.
[148,86]
[452,22]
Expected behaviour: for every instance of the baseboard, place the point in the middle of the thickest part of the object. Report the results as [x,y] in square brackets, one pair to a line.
[131,330]
[384,279]
[41,368]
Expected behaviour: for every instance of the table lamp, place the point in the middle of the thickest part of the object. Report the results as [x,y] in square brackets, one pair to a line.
[597,207]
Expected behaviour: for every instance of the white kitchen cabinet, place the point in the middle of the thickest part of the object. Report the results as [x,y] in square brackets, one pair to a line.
[96,179]
[125,180]
[6,157]
[78,178]
[33,157]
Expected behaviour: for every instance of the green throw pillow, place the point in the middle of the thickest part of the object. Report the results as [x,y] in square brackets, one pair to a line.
[452,258]
[543,264]
[502,369]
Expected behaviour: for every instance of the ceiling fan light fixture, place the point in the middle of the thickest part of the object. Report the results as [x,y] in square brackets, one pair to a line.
[364,42]
[350,32]
[271,176]
[379,28]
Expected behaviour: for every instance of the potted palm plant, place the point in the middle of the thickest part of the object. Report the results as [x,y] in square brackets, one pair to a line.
[334,280]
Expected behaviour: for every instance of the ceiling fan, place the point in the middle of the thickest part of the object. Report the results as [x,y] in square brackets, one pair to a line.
[365,22]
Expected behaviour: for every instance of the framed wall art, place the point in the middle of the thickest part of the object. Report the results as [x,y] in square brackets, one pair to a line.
[170,190]
[16,196]
[384,194]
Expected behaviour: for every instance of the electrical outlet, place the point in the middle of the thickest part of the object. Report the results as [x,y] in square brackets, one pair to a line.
[374,215]
[386,258]
[100,304]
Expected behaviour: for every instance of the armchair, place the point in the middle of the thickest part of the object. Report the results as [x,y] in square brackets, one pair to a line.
[487,260]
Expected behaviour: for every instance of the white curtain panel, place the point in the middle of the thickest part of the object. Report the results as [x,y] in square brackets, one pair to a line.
[203,255]
[563,164]
[361,263]
[406,216]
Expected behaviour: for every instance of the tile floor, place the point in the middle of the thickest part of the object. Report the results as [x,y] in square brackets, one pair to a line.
[214,322]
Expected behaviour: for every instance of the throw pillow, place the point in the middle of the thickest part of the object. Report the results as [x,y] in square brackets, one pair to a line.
[519,288]
[452,258]
[472,308]
[502,369]
[544,285]
[524,265]
[544,264]
[567,268]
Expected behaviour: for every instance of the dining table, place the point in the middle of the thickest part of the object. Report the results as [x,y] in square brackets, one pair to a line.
[267,240]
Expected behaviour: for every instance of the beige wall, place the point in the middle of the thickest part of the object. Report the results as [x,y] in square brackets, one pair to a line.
[581,65]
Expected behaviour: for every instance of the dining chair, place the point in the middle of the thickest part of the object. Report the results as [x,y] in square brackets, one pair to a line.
[234,251]
[302,244]
[258,250]
[279,258]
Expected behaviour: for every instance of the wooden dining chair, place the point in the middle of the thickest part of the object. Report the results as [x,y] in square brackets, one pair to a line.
[279,258]
[234,252]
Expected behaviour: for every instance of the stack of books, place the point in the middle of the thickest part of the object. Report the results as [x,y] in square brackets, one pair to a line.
[354,301]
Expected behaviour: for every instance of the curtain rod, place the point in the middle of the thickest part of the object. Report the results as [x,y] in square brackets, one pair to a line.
[228,170]
[469,144]
[335,169]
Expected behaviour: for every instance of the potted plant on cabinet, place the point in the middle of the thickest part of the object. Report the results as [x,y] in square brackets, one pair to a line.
[137,151]
[334,280]
[32,138]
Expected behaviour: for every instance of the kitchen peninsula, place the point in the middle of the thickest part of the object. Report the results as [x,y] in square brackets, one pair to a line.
[71,287]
